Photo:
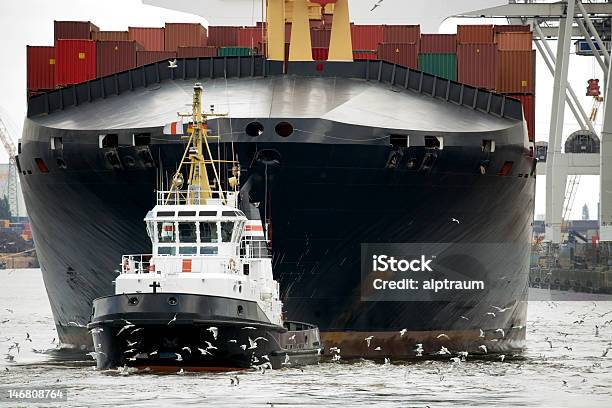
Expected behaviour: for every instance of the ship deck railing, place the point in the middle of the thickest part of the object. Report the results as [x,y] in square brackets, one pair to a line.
[196,197]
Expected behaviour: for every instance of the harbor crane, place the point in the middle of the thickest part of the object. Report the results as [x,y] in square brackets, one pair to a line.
[11,184]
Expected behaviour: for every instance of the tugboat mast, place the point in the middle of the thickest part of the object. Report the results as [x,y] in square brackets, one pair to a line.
[198,157]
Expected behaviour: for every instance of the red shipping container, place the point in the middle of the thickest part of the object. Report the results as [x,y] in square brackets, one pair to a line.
[184,35]
[75,61]
[515,72]
[80,30]
[367,37]
[41,68]
[511,28]
[149,57]
[320,38]
[223,36]
[474,34]
[115,56]
[250,37]
[151,38]
[513,41]
[110,36]
[320,54]
[438,43]
[316,24]
[528,102]
[406,55]
[365,55]
[196,52]
[405,34]
[476,65]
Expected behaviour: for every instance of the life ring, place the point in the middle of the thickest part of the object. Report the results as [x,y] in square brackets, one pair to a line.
[231,265]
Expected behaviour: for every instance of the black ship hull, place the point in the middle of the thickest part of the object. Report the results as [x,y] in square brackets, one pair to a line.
[324,196]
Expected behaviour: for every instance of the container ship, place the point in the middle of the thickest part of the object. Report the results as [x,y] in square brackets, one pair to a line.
[388,145]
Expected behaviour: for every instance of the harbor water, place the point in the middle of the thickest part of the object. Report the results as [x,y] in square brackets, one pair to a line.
[565,364]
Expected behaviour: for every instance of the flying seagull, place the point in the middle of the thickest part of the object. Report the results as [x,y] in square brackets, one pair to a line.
[369,339]
[443,335]
[173,319]
[214,331]
[172,64]
[376,5]
[483,348]
[402,332]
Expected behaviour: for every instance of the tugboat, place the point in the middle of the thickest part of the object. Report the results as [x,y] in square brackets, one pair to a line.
[205,299]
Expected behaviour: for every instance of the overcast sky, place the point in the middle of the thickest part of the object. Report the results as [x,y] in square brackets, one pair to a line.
[31,22]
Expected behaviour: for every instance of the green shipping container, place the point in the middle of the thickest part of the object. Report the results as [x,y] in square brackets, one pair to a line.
[442,65]
[234,52]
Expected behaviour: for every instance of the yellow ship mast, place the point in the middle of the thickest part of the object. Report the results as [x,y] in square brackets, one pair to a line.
[199,158]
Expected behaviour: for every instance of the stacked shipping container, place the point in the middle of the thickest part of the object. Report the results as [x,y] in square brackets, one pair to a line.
[438,55]
[116,56]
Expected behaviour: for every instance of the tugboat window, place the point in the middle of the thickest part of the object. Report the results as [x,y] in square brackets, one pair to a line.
[209,251]
[187,232]
[165,232]
[188,250]
[226,231]
[208,232]
[166,251]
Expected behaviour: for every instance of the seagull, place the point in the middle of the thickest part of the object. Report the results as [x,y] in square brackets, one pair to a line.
[443,351]
[172,64]
[442,335]
[136,330]
[464,318]
[153,352]
[549,342]
[243,346]
[181,372]
[178,357]
[482,334]
[204,352]
[491,314]
[10,310]
[605,353]
[502,357]
[252,344]
[419,349]
[286,362]
[387,361]
[28,337]
[483,348]
[579,321]
[260,338]
[214,331]
[501,331]
[266,357]
[569,348]
[10,357]
[96,330]
[334,349]
[596,331]
[131,343]
[292,338]
[455,359]
[500,309]
[402,332]
[75,324]
[336,357]
[232,341]
[209,346]
[455,220]
[5,321]
[377,348]
[187,349]
[376,5]
[517,327]
[173,319]
[127,326]
[234,381]
[249,328]
[369,339]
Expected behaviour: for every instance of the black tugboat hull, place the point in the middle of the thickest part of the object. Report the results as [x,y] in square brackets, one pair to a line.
[169,331]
